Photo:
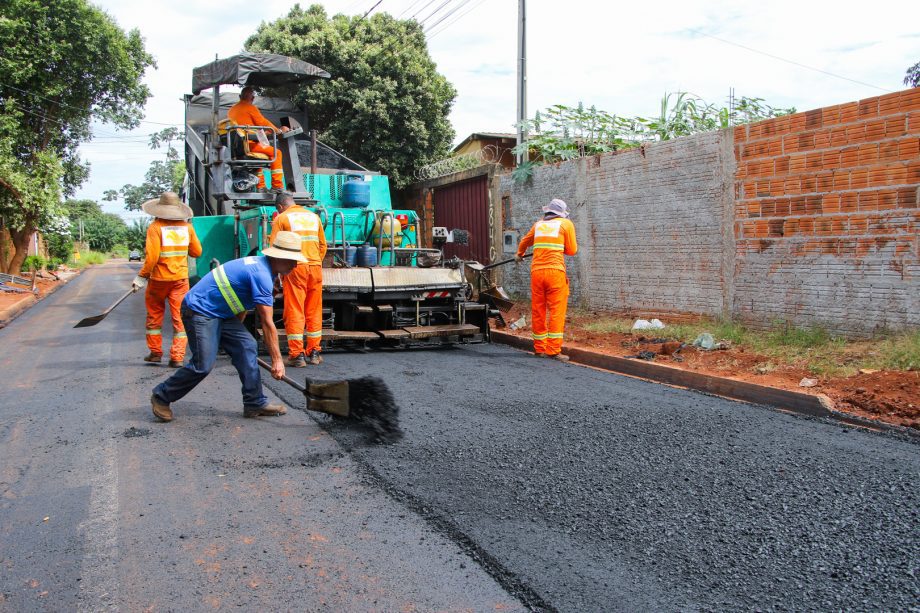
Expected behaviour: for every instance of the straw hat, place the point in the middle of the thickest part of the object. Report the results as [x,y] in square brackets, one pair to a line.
[167,206]
[286,247]
[557,207]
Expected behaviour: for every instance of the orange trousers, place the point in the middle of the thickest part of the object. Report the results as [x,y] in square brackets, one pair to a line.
[303,309]
[549,291]
[158,294]
[277,172]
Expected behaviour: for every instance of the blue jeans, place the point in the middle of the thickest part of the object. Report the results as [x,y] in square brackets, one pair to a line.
[205,336]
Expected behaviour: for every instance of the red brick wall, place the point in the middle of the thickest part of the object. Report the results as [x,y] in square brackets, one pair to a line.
[831,192]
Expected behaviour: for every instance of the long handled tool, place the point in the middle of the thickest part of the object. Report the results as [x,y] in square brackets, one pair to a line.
[367,400]
[95,319]
[503,262]
[495,293]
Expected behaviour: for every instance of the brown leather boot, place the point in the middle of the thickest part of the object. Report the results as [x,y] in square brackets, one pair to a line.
[298,362]
[269,410]
[315,358]
[160,408]
[155,358]
[176,363]
[560,358]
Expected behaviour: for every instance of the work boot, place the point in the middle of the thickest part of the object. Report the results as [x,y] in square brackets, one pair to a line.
[269,410]
[155,358]
[160,409]
[539,355]
[298,362]
[315,358]
[176,363]
[559,357]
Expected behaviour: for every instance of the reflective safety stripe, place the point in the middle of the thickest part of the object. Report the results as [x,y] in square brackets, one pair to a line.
[309,239]
[153,332]
[539,337]
[555,334]
[172,254]
[277,171]
[550,246]
[180,335]
[314,334]
[295,337]
[223,284]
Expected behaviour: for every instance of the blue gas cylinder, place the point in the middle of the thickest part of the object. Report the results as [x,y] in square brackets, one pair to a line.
[366,255]
[351,255]
[356,193]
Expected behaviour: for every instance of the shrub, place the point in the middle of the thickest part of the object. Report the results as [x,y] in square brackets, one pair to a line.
[34,262]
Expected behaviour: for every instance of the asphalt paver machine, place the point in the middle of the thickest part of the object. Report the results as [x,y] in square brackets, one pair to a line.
[380,288]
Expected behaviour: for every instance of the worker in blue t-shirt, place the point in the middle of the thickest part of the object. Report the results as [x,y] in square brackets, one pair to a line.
[213,313]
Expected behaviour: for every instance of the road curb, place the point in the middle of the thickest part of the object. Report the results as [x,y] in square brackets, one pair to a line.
[812,405]
[16,309]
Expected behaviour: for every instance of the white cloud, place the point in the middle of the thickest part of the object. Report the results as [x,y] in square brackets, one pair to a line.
[619,57]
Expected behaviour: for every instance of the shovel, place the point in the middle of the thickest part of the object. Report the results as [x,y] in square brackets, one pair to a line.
[95,319]
[367,400]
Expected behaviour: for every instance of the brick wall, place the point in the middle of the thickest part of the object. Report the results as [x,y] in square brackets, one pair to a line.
[826,217]
[651,226]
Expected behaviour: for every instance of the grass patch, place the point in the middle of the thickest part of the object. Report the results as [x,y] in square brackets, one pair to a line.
[88,258]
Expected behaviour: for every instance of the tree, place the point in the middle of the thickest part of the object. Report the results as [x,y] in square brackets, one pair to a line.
[103,232]
[135,236]
[161,176]
[386,106]
[912,77]
[64,64]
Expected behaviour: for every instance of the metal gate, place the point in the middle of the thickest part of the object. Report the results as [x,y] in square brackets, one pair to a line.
[465,206]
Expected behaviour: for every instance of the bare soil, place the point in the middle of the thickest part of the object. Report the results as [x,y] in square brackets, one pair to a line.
[890,396]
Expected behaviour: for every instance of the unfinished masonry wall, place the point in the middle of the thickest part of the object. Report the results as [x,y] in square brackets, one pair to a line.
[826,217]
[651,226]
[810,219]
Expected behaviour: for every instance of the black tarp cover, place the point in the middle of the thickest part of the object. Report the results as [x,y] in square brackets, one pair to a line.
[255,70]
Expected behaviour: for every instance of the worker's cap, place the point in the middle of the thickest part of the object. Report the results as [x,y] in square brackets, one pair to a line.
[167,206]
[286,246]
[557,207]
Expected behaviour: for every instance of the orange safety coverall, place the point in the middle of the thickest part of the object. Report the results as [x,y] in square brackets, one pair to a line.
[246,113]
[549,287]
[169,243]
[303,287]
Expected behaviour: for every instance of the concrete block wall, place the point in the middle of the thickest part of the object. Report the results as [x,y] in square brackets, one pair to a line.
[827,219]
[653,225]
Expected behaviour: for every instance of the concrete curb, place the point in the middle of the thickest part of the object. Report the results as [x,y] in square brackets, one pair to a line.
[16,309]
[812,405]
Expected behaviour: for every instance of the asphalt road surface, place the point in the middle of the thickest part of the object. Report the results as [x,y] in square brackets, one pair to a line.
[519,484]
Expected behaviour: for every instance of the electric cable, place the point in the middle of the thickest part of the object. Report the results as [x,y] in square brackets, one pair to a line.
[456,19]
[448,14]
[434,12]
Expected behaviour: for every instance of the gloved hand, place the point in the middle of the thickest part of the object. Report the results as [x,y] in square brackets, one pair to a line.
[139,282]
[518,258]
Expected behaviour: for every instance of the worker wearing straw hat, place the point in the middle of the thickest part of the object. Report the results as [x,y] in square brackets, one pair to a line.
[170,240]
[213,312]
[553,237]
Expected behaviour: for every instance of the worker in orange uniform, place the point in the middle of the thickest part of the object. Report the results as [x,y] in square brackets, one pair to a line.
[170,240]
[303,288]
[245,113]
[552,238]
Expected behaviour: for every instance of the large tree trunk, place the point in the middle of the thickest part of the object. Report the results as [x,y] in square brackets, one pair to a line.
[20,240]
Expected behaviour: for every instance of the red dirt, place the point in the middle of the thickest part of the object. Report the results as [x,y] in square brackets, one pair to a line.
[45,285]
[889,396]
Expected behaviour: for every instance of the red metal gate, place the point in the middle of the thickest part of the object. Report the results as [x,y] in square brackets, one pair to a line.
[465,206]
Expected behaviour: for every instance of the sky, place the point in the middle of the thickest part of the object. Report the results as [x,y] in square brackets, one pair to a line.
[619,57]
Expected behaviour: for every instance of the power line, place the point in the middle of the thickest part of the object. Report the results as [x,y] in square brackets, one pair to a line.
[76,108]
[408,8]
[434,12]
[456,19]
[448,14]
[418,12]
[782,59]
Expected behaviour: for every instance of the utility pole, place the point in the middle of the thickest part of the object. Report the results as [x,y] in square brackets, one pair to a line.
[522,79]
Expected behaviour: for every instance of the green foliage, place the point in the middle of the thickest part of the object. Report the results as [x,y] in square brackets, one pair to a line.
[64,64]
[34,262]
[60,246]
[562,132]
[912,76]
[103,232]
[119,251]
[162,176]
[135,236]
[89,258]
[386,106]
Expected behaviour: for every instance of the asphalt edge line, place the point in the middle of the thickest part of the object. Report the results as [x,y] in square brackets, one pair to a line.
[502,575]
[810,405]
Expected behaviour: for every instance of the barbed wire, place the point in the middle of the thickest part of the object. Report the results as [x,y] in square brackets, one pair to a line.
[458,163]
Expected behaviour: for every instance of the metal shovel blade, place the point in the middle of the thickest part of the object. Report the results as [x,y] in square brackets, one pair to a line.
[95,319]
